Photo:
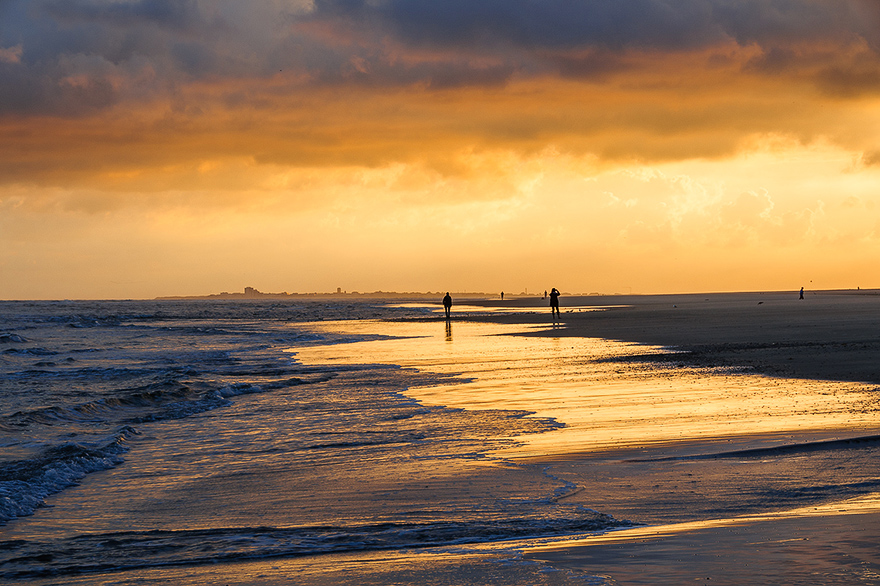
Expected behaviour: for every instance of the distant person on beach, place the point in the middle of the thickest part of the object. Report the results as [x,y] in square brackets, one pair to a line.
[554,302]
[502,296]
[447,304]
[802,293]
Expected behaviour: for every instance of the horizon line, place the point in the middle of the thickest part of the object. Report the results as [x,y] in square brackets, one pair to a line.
[252,294]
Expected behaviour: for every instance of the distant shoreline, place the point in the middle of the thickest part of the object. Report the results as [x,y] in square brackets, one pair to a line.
[476,297]
[585,298]
[251,293]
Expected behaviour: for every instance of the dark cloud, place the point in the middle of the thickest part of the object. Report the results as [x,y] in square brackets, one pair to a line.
[554,23]
[73,56]
[775,22]
[181,15]
[23,93]
[852,80]
[609,24]
[587,39]
[194,58]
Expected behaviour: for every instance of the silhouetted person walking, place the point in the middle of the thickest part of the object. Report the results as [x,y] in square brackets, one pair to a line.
[554,302]
[802,293]
[447,304]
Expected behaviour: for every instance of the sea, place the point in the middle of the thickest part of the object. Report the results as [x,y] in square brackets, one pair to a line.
[256,441]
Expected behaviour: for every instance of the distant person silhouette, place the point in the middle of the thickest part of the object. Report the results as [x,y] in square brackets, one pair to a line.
[447,304]
[502,296]
[554,302]
[802,293]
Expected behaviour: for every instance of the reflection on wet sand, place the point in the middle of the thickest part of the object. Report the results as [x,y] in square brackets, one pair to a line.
[606,404]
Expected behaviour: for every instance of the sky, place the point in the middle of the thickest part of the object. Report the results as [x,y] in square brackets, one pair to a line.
[187,147]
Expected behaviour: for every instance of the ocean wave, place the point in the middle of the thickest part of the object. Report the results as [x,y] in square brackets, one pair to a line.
[24,484]
[204,331]
[168,399]
[89,373]
[10,338]
[121,551]
[29,352]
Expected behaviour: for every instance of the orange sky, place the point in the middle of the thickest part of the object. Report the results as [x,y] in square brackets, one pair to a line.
[159,148]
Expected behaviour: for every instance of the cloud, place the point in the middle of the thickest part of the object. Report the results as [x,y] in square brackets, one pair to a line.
[137,95]
[183,15]
[747,209]
[10,55]
[398,43]
[124,51]
[589,38]
[535,24]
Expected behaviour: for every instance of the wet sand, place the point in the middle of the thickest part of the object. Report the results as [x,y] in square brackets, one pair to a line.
[829,335]
[694,537]
[834,546]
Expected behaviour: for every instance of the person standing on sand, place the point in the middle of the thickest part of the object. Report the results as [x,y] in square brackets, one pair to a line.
[554,302]
[447,304]
[802,293]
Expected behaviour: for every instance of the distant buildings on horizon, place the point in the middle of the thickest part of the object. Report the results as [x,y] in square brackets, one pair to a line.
[252,293]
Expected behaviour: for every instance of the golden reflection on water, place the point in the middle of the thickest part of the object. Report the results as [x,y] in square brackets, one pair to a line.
[604,404]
